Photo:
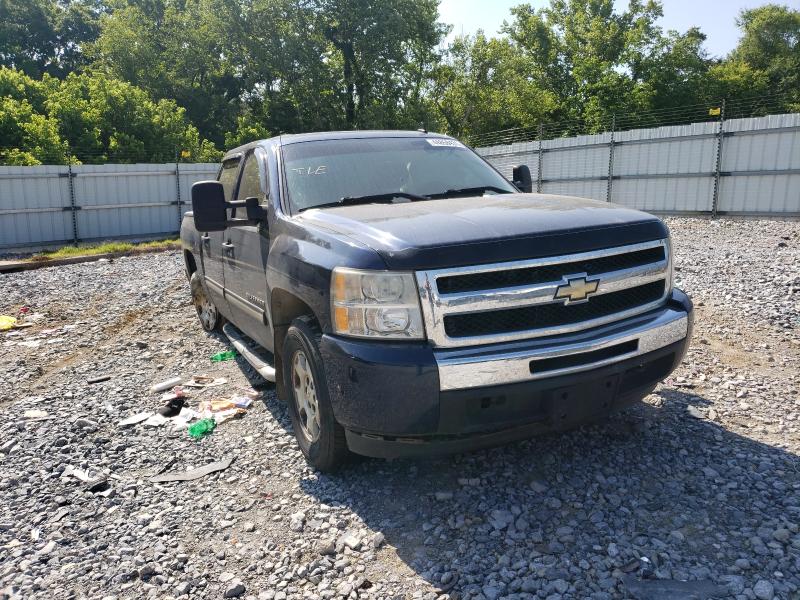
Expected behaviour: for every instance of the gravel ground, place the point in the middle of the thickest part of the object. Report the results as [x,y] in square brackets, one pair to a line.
[699,484]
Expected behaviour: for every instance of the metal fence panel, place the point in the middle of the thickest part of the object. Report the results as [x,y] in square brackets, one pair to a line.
[32,205]
[111,200]
[124,200]
[753,148]
[188,175]
[582,189]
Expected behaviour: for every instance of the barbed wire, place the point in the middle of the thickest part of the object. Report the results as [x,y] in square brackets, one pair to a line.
[683,115]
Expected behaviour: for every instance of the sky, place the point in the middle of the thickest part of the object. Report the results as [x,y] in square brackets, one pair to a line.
[715,18]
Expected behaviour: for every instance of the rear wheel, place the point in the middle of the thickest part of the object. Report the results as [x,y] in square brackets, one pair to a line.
[320,437]
[207,312]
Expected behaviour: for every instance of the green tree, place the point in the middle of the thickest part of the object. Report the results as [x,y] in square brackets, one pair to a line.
[180,51]
[47,36]
[99,119]
[588,55]
[485,85]
[770,43]
[29,138]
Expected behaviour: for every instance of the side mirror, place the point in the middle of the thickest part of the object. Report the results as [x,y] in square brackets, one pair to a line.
[209,206]
[522,178]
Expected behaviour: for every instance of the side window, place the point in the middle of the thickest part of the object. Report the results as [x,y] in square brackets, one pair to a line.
[227,177]
[250,184]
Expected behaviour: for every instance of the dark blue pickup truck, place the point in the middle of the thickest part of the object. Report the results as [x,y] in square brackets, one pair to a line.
[407,299]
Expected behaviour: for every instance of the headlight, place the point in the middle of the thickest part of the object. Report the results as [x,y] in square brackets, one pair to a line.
[375,304]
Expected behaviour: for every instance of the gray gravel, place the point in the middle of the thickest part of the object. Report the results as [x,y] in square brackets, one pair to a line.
[700,484]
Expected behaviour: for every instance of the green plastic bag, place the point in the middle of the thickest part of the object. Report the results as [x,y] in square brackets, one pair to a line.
[227,355]
[201,428]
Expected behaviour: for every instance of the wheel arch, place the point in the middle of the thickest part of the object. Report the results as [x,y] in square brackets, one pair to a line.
[285,307]
[190,263]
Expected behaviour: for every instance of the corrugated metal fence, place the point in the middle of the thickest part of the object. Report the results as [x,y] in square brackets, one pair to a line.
[739,166]
[61,204]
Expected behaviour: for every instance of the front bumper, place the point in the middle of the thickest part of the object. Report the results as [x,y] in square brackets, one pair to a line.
[407,399]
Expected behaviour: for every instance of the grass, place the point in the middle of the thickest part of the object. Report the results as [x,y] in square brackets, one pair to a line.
[106,248]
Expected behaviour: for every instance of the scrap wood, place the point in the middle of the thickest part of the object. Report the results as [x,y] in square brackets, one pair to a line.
[194,473]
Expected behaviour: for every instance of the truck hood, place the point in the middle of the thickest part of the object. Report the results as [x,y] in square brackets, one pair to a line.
[493,228]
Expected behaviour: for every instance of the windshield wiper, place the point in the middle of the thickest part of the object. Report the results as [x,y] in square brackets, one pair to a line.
[368,199]
[469,191]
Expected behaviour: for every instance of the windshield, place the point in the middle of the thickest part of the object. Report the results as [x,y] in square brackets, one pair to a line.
[324,172]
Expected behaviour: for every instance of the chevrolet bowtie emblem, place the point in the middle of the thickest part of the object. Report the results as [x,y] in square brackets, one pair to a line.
[576,289]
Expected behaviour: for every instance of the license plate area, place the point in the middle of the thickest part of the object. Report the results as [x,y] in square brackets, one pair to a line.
[574,404]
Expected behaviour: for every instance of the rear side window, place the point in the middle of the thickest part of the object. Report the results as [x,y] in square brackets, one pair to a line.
[227,177]
[250,185]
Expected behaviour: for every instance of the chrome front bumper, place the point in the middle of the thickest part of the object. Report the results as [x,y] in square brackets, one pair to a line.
[517,362]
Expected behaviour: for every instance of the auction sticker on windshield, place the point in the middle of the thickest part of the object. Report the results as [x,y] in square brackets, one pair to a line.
[444,143]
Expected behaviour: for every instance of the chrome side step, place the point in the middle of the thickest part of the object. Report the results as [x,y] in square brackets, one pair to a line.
[266,370]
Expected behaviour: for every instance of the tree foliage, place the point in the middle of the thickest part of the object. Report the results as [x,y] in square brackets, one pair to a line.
[95,118]
[138,79]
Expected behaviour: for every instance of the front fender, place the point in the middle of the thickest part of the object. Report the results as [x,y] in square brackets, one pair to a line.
[301,260]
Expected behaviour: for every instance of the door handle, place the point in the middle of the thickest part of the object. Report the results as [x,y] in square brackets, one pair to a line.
[206,239]
[227,247]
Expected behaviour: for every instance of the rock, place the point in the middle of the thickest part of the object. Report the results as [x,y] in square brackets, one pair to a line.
[326,547]
[349,540]
[297,521]
[763,590]
[235,590]
[782,535]
[226,577]
[442,496]
[377,540]
[695,412]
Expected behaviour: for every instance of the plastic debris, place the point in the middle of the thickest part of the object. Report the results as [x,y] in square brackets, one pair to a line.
[177,392]
[222,356]
[166,385]
[245,400]
[201,428]
[7,322]
[134,419]
[202,381]
[35,414]
[194,473]
[173,407]
[99,379]
[156,420]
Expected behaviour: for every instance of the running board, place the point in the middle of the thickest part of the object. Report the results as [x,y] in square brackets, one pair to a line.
[266,370]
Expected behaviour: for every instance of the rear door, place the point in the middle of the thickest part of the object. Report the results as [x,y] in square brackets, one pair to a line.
[211,241]
[245,256]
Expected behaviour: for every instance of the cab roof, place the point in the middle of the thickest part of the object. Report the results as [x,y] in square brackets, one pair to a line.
[296,138]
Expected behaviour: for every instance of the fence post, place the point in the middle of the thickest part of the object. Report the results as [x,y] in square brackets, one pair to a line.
[178,189]
[73,208]
[720,137]
[611,158]
[539,157]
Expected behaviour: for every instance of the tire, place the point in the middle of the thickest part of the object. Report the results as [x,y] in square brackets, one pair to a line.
[207,312]
[320,437]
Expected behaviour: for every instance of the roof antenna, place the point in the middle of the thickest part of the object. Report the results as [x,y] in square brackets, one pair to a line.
[422,129]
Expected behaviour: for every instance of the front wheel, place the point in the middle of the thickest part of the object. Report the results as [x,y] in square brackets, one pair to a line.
[207,312]
[320,437]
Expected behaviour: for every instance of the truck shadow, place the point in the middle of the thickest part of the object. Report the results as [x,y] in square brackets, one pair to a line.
[688,494]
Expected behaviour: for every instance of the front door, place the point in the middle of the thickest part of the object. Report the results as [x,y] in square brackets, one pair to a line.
[245,255]
[211,241]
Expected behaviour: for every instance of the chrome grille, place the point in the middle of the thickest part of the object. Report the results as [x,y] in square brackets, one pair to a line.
[517,300]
